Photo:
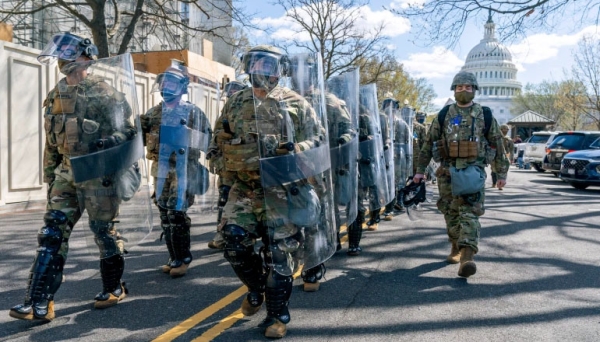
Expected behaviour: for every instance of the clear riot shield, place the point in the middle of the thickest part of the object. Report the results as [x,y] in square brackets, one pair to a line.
[388,133]
[182,177]
[408,114]
[99,120]
[343,140]
[295,170]
[371,159]
[402,139]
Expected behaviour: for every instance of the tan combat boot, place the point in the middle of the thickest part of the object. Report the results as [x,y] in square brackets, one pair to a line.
[276,330]
[113,298]
[247,308]
[166,268]
[27,313]
[467,265]
[179,271]
[454,257]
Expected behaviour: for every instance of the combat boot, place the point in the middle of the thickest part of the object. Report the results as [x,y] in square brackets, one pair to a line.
[111,270]
[277,329]
[388,212]
[217,242]
[252,303]
[180,237]
[312,276]
[373,223]
[166,226]
[454,257]
[34,311]
[467,265]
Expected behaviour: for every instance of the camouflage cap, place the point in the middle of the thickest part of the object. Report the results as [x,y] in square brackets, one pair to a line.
[464,77]
[504,127]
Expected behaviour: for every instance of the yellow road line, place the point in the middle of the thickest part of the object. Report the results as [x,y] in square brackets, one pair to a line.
[227,322]
[189,323]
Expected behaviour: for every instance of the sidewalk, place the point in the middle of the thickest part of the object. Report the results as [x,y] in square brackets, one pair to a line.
[20,207]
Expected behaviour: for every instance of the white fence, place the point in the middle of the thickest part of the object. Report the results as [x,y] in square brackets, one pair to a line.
[24,84]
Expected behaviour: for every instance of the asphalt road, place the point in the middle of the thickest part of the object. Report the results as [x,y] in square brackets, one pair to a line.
[537,280]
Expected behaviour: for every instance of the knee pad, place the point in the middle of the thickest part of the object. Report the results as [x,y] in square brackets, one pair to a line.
[106,242]
[50,236]
[179,218]
[238,247]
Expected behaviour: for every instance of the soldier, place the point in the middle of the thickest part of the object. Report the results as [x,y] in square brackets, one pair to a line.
[509,149]
[464,137]
[386,119]
[391,107]
[373,174]
[217,164]
[420,116]
[276,156]
[304,75]
[83,114]
[170,128]
[419,132]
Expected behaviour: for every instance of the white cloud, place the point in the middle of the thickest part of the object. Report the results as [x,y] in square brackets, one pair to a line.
[440,63]
[285,28]
[539,47]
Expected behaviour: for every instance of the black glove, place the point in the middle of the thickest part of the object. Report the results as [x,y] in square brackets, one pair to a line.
[107,142]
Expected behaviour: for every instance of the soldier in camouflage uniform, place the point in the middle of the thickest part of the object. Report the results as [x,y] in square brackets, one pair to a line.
[216,163]
[245,214]
[463,127]
[175,222]
[419,132]
[77,122]
[509,149]
[340,132]
[390,104]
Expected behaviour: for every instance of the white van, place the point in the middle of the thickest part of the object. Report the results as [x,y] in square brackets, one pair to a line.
[535,150]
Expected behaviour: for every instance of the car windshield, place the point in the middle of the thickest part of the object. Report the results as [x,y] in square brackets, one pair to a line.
[539,139]
[568,141]
[595,144]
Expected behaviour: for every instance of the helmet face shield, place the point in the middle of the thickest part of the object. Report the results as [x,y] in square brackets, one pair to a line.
[233,87]
[172,83]
[263,63]
[67,47]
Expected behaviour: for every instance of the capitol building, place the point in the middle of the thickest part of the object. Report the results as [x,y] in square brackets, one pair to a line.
[496,74]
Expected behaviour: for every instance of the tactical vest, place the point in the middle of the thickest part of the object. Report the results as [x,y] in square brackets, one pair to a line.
[463,134]
[76,116]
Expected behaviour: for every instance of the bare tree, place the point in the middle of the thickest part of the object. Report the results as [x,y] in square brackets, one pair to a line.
[443,21]
[586,70]
[333,31]
[391,78]
[122,21]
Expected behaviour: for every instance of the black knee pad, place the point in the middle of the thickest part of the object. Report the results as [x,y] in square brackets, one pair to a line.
[239,251]
[107,243]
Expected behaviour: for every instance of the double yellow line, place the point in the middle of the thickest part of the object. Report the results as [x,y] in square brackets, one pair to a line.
[224,324]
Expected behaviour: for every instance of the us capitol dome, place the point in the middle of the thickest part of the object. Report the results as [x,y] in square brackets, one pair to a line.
[496,74]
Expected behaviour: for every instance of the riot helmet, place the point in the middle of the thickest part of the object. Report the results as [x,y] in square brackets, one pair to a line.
[303,71]
[390,102]
[414,193]
[464,77]
[172,83]
[66,48]
[233,87]
[266,65]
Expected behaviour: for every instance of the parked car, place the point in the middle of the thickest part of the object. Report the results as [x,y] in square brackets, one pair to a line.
[520,150]
[564,143]
[582,168]
[535,150]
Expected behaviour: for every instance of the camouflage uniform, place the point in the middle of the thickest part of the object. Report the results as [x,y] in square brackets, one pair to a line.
[419,133]
[175,224]
[462,213]
[245,215]
[509,149]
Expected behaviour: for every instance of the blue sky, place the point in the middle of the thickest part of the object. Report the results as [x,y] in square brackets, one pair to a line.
[540,56]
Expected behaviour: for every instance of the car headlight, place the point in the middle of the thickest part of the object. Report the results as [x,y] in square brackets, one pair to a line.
[598,168]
